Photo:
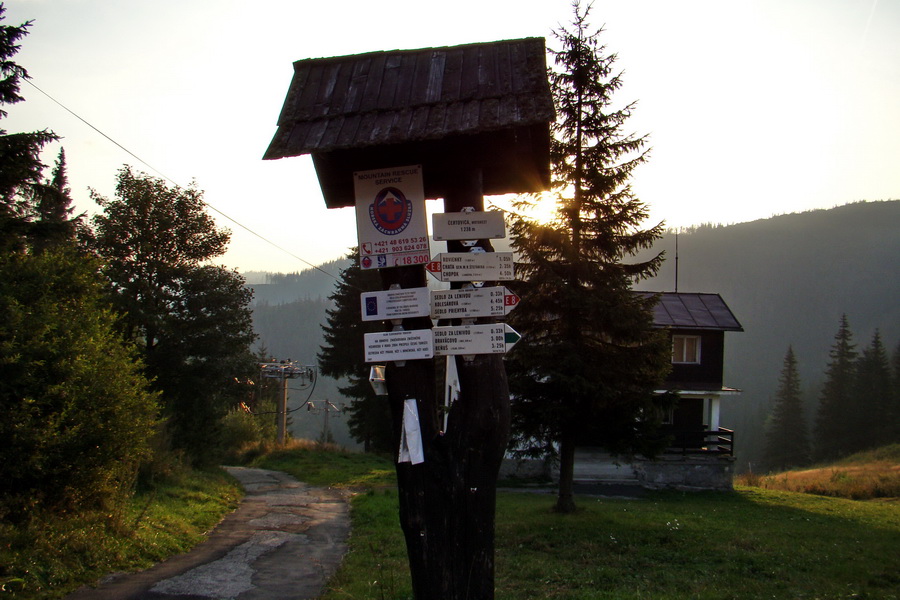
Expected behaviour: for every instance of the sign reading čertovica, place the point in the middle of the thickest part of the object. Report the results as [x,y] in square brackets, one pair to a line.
[468,225]
[390,217]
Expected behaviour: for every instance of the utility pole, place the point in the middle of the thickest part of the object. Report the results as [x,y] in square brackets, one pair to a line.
[284,370]
[328,407]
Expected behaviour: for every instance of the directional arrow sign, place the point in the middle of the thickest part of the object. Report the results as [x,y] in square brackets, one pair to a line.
[468,225]
[496,338]
[394,304]
[399,345]
[472,266]
[473,302]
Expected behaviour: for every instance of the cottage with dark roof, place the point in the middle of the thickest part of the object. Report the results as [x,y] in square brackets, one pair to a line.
[697,324]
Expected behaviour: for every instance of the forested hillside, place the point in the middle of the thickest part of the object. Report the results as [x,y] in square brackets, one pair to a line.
[788,280]
[288,313]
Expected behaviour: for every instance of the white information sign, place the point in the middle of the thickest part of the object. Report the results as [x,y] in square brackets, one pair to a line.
[496,338]
[473,302]
[399,345]
[394,304]
[472,266]
[468,225]
[390,217]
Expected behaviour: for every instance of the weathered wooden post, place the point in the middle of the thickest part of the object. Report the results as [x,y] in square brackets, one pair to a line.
[473,120]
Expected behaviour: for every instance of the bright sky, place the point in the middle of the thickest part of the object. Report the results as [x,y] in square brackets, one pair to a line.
[753,107]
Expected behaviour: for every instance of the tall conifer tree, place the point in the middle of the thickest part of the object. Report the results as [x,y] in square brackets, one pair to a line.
[343,356]
[874,397]
[894,408]
[836,408]
[589,360]
[53,207]
[20,161]
[787,442]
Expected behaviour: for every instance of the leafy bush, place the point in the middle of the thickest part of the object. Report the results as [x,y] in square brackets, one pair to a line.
[240,429]
[78,416]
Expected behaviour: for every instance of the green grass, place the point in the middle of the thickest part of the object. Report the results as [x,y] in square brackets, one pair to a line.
[747,544]
[329,466]
[752,543]
[55,554]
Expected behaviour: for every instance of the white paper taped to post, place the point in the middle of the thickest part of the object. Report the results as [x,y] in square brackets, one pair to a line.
[411,435]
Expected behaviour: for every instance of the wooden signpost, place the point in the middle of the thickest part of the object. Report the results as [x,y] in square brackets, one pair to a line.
[466,121]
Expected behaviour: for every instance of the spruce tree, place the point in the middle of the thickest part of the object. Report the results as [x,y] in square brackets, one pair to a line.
[836,415]
[53,207]
[894,407]
[589,360]
[343,356]
[787,442]
[874,397]
[20,161]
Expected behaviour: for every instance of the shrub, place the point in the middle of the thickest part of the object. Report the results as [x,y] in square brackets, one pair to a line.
[78,416]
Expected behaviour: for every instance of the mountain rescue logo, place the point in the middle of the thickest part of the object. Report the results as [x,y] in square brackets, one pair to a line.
[391,211]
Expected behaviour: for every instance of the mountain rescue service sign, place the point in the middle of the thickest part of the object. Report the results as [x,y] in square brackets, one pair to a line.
[390,217]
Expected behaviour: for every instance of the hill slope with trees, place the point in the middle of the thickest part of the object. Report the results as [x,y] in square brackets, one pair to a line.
[788,279]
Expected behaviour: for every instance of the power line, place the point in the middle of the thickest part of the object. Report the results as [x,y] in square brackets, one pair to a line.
[170,180]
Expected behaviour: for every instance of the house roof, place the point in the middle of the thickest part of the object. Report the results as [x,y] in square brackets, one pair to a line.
[397,96]
[693,311]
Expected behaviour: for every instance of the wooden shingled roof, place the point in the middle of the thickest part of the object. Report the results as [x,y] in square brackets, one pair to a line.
[401,107]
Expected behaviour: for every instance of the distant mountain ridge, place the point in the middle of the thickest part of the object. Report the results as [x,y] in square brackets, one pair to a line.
[281,288]
[788,279]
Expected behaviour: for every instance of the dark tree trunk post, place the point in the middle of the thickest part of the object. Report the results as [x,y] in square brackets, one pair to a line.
[565,502]
[447,503]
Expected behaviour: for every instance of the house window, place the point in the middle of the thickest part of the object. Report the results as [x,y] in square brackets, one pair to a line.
[686,349]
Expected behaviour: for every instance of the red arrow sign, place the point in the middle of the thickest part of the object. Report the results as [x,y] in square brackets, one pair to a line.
[433,267]
[510,299]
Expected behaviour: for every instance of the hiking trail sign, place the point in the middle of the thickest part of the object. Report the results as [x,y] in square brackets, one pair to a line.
[468,303]
[468,225]
[390,217]
[472,266]
[494,338]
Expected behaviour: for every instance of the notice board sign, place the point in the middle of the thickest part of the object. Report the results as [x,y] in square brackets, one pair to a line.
[390,217]
[398,345]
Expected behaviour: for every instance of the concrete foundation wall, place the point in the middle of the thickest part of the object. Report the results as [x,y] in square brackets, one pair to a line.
[691,473]
[540,470]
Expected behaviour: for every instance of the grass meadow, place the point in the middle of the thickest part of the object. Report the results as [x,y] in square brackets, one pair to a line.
[865,476]
[750,543]
[766,540]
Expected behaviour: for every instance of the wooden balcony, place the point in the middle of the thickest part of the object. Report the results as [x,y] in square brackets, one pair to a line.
[701,442]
